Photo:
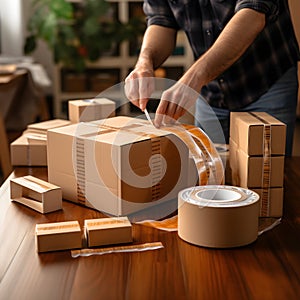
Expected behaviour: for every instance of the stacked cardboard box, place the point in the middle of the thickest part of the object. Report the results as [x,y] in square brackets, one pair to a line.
[91,109]
[30,149]
[257,152]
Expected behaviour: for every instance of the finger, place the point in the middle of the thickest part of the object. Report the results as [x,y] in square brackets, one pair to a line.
[180,111]
[135,102]
[181,107]
[170,111]
[146,87]
[167,120]
[158,120]
[160,111]
[131,89]
[169,114]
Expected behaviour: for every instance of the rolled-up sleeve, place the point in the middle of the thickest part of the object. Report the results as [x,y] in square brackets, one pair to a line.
[269,7]
[159,13]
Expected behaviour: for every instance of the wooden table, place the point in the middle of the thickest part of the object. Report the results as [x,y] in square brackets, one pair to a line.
[267,269]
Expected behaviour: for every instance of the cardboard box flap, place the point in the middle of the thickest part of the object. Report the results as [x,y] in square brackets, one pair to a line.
[45,125]
[117,122]
[106,133]
[34,183]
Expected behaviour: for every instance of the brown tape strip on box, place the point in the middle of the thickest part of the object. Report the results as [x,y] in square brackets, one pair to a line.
[109,221]
[80,170]
[266,171]
[46,227]
[156,168]
[265,200]
[36,182]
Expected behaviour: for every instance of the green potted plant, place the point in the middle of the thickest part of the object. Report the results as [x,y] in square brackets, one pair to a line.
[77,31]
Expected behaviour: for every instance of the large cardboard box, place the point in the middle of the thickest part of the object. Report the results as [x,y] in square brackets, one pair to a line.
[248,130]
[91,109]
[251,171]
[119,166]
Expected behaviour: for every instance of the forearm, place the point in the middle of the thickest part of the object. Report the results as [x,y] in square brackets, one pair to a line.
[234,40]
[158,44]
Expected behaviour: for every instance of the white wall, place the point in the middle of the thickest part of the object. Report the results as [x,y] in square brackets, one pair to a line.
[12,26]
[13,21]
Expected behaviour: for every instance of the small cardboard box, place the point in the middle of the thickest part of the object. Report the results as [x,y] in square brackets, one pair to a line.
[35,193]
[26,152]
[247,130]
[108,231]
[273,205]
[119,166]
[248,171]
[91,109]
[58,236]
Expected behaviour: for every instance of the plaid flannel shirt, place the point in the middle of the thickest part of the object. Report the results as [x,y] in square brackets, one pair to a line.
[272,53]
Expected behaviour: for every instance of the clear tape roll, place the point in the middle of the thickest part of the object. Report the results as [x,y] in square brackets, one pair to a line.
[208,163]
[218,216]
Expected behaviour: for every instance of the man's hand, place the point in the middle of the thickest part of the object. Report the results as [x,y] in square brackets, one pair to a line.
[158,44]
[139,85]
[174,102]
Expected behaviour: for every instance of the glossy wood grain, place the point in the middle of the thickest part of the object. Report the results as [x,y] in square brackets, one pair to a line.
[267,269]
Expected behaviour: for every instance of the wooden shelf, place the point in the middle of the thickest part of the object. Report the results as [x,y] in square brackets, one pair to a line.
[119,66]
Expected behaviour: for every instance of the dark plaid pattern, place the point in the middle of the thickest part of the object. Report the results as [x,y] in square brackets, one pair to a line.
[273,52]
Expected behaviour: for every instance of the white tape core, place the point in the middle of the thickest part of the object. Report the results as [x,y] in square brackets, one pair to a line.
[218,195]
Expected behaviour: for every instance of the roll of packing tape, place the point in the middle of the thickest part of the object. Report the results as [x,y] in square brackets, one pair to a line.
[218,216]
